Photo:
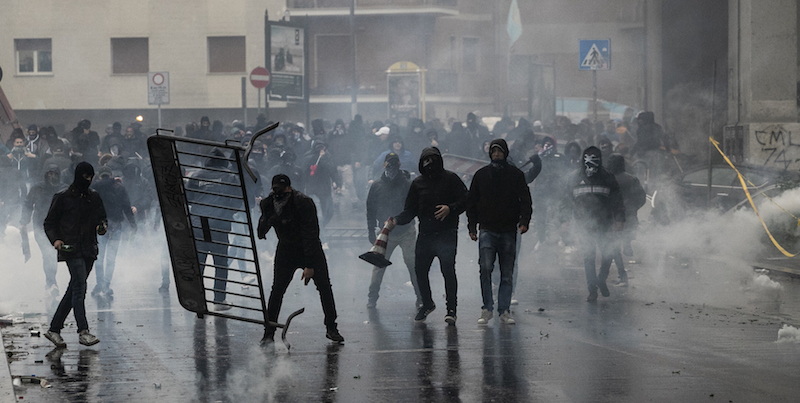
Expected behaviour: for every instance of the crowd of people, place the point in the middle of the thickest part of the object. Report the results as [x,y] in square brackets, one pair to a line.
[394,173]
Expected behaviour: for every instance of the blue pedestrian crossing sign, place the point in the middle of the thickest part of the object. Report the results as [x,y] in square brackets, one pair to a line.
[595,54]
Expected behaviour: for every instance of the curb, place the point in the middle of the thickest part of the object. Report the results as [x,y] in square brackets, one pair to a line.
[7,394]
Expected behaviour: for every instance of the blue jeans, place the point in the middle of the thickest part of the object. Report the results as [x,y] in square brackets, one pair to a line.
[107,247]
[590,242]
[442,245]
[79,269]
[406,242]
[49,257]
[501,245]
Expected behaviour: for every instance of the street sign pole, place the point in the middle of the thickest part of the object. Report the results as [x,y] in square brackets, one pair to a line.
[159,114]
[594,91]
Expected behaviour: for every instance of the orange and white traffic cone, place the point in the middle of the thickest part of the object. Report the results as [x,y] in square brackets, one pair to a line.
[377,254]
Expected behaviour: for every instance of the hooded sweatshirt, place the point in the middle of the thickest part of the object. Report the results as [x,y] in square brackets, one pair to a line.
[38,200]
[499,198]
[435,186]
[74,215]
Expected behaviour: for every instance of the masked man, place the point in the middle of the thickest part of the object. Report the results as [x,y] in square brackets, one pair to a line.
[436,197]
[294,217]
[597,208]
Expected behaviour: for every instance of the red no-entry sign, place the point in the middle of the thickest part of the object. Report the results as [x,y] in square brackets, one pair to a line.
[259,77]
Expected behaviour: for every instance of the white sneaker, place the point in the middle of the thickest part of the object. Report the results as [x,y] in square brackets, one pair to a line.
[486,315]
[56,339]
[218,306]
[87,339]
[507,319]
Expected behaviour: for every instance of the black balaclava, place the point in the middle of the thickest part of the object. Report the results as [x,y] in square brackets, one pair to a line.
[549,147]
[430,163]
[79,183]
[392,168]
[592,161]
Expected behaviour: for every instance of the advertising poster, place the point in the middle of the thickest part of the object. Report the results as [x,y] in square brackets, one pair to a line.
[404,96]
[287,61]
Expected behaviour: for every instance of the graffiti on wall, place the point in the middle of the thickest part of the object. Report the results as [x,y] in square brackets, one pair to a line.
[777,145]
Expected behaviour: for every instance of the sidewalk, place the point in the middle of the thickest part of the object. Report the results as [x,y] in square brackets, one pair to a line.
[6,388]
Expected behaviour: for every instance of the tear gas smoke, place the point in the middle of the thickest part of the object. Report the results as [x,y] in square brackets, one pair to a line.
[788,334]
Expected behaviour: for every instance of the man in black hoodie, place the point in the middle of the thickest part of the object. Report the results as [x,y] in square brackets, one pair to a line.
[75,218]
[385,198]
[36,204]
[597,209]
[500,201]
[294,217]
[436,198]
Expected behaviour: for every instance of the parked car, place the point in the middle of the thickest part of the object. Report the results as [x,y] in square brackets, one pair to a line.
[674,199]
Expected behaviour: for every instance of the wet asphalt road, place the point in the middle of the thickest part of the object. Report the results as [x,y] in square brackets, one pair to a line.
[697,332]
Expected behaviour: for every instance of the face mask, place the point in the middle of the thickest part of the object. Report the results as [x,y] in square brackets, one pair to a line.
[392,170]
[591,164]
[53,180]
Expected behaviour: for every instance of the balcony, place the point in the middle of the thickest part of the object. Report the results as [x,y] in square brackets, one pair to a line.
[374,82]
[333,8]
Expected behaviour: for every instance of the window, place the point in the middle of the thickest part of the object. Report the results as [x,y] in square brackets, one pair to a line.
[129,56]
[226,54]
[33,56]
[470,58]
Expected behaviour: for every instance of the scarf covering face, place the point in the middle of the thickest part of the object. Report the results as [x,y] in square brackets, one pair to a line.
[80,183]
[592,161]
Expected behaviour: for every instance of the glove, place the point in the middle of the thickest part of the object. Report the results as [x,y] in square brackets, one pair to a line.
[534,159]
[372,237]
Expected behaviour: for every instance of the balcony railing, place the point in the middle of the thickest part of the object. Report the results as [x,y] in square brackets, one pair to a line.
[339,82]
[369,3]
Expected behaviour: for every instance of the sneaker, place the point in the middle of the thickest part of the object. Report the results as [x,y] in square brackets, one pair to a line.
[87,339]
[486,315]
[109,291]
[333,334]
[603,288]
[450,318]
[221,306]
[55,338]
[423,313]
[592,297]
[506,318]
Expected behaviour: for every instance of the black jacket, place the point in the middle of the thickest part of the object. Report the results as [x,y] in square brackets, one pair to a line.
[430,190]
[115,201]
[596,201]
[386,198]
[73,218]
[499,198]
[38,202]
[297,228]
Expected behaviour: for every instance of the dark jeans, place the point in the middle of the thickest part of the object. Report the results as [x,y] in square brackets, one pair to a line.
[283,271]
[590,241]
[49,257]
[107,247]
[442,245]
[79,269]
[501,245]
